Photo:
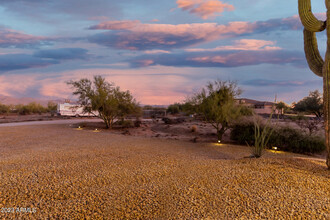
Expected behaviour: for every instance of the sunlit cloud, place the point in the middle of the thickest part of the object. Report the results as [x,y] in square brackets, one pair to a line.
[243,44]
[156,51]
[245,58]
[204,8]
[159,56]
[171,84]
[134,35]
[244,52]
[16,39]
[138,36]
[115,25]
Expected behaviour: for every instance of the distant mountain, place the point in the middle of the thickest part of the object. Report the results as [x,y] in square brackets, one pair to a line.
[8,100]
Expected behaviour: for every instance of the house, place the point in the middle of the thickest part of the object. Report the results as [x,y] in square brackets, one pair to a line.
[260,107]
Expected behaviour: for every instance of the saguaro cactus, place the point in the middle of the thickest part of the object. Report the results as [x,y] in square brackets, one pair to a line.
[319,66]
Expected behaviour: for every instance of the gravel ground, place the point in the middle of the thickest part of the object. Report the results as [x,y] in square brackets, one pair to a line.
[64,173]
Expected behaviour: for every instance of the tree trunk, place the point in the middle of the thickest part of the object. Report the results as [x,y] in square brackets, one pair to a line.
[106,124]
[220,133]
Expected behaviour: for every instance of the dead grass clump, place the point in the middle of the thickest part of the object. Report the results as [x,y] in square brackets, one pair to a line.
[193,128]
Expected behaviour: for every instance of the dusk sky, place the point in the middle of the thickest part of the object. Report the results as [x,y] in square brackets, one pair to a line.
[161,51]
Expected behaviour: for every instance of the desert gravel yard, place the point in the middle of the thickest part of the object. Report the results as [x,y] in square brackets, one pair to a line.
[63,173]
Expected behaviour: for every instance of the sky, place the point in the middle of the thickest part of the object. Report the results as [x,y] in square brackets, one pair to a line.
[162,51]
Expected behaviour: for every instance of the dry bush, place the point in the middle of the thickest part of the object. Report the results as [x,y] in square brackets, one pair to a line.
[194,128]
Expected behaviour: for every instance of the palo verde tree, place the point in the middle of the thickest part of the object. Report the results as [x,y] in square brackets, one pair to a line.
[316,63]
[217,106]
[104,98]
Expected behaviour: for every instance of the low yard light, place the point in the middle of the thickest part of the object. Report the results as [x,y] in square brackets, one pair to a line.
[274,148]
[219,141]
[96,130]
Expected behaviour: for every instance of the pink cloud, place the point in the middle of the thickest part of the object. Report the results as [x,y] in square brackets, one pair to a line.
[243,44]
[204,8]
[139,36]
[169,82]
[210,59]
[16,84]
[116,25]
[9,37]
[134,35]
[145,62]
[156,51]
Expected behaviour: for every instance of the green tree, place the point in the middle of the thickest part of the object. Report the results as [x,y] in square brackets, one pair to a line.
[51,106]
[216,104]
[4,109]
[312,104]
[174,108]
[281,107]
[105,98]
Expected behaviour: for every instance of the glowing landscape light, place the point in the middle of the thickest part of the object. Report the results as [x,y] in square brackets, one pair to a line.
[96,130]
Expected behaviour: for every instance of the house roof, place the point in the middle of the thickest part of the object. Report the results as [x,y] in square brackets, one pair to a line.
[255,102]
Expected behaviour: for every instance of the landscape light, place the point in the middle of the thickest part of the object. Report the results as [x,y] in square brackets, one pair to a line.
[275,148]
[79,128]
[96,130]
[219,141]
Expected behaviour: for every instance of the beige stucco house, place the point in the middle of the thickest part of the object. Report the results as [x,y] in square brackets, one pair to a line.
[259,107]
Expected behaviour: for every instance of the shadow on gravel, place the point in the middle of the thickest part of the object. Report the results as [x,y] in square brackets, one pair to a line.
[310,165]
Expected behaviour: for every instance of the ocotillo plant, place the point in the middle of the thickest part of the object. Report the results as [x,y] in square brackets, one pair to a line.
[319,66]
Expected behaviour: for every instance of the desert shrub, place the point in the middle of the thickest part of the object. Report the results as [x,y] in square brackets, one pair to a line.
[51,106]
[4,109]
[30,108]
[173,109]
[293,140]
[173,120]
[124,124]
[311,125]
[285,138]
[243,133]
[193,128]
[137,123]
[23,110]
[262,134]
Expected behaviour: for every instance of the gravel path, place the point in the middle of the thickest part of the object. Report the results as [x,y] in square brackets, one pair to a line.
[53,122]
[64,173]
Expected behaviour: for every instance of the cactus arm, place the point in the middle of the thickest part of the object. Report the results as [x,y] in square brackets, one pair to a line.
[307,18]
[313,57]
